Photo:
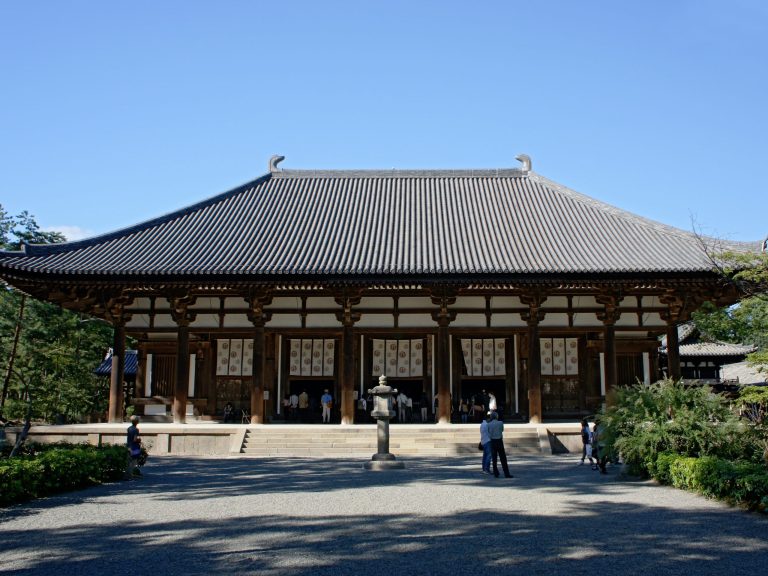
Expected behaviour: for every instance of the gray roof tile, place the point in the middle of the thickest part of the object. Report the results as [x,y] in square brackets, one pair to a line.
[382,223]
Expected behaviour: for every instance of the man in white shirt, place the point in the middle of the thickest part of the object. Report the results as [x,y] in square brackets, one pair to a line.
[496,432]
[402,401]
[294,406]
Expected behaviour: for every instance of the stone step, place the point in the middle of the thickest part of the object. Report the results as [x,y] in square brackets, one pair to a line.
[319,441]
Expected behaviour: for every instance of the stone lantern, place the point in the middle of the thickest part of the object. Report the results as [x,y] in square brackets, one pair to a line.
[383,459]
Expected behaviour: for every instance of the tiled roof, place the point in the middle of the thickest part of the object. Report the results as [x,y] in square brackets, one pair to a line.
[692,345]
[380,224]
[131,364]
[744,373]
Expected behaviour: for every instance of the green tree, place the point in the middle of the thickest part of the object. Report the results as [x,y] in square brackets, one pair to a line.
[47,354]
[747,321]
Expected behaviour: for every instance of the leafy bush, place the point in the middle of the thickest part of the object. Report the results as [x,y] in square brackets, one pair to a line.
[44,470]
[667,416]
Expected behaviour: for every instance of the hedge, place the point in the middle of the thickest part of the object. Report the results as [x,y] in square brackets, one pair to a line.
[59,469]
[742,483]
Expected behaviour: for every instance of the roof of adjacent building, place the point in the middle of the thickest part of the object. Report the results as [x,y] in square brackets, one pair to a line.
[131,365]
[297,224]
[691,344]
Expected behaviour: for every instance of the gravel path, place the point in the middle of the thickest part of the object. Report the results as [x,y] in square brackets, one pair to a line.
[300,516]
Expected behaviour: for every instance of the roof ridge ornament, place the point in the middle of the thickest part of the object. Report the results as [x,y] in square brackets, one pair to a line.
[274,161]
[526,161]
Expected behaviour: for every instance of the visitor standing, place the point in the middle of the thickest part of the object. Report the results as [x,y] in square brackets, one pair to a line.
[326,401]
[133,442]
[294,407]
[303,405]
[424,404]
[485,442]
[496,432]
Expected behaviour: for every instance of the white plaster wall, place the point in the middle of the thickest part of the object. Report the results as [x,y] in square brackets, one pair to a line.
[138,321]
[323,321]
[286,302]
[164,321]
[584,302]
[415,302]
[323,303]
[285,321]
[237,321]
[416,321]
[469,321]
[627,319]
[140,303]
[206,303]
[555,302]
[376,321]
[586,319]
[236,302]
[470,302]
[505,302]
[206,321]
[377,302]
[653,320]
[507,321]
[554,320]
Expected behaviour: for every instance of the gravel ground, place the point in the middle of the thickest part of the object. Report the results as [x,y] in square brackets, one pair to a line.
[301,516]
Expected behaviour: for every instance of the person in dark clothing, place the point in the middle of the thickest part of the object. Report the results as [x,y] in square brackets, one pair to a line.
[133,442]
[496,432]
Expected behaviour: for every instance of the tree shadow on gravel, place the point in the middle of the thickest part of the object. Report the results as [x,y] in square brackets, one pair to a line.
[598,535]
[657,541]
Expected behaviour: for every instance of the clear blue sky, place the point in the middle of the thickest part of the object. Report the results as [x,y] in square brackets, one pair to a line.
[112,113]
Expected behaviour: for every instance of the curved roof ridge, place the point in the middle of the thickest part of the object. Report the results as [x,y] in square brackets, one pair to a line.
[709,241]
[45,249]
[404,173]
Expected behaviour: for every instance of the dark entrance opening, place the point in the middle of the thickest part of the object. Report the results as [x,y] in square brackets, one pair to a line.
[315,388]
[473,387]
[411,387]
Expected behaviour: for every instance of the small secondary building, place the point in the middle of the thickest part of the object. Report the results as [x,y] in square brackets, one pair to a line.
[448,281]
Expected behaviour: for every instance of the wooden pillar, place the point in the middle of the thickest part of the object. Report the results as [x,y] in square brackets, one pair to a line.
[180,303]
[257,299]
[182,375]
[257,377]
[117,375]
[443,297]
[534,373]
[347,299]
[533,316]
[673,352]
[348,376]
[611,366]
[679,306]
[609,316]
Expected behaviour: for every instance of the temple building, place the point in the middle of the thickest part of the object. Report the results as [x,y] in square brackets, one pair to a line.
[449,282]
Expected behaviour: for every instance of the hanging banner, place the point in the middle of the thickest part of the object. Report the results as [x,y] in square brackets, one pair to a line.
[500,358]
[222,357]
[572,356]
[295,358]
[379,357]
[546,356]
[403,358]
[558,356]
[247,357]
[391,368]
[329,356]
[417,358]
[236,358]
[306,357]
[488,364]
[466,351]
[317,357]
